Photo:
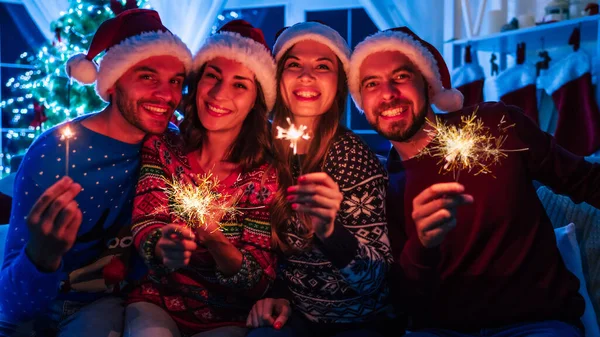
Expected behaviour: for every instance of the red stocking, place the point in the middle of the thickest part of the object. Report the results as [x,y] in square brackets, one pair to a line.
[570,83]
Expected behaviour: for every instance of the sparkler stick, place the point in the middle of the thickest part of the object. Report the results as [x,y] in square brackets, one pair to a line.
[67,134]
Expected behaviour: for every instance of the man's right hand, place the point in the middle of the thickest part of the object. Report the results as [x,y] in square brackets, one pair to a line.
[269,312]
[176,245]
[434,211]
[53,223]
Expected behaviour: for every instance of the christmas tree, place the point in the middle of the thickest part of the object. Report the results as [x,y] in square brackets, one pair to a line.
[44,96]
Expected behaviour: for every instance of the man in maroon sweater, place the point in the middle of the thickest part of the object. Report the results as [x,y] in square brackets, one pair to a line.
[479,257]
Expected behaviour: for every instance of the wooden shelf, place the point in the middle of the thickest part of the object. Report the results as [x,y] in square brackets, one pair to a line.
[554,34]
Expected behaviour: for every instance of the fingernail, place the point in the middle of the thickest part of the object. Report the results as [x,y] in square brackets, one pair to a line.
[277,325]
[291,189]
[289,197]
[294,206]
[302,178]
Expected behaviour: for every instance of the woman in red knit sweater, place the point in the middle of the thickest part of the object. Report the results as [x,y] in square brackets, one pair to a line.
[204,282]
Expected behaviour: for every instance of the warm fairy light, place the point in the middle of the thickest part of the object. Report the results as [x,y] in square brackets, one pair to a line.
[292,134]
[469,146]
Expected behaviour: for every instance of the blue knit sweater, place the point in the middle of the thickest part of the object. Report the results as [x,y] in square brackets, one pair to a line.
[107,170]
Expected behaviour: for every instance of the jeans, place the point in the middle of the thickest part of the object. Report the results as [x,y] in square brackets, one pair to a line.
[537,329]
[148,319]
[101,318]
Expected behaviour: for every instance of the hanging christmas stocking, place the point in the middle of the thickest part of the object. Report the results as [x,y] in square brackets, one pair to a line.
[468,79]
[515,86]
[569,82]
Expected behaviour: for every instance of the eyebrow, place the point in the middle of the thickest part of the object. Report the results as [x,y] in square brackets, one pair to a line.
[152,70]
[146,68]
[404,68]
[399,69]
[319,59]
[237,77]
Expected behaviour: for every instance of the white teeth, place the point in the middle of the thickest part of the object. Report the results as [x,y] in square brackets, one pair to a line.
[155,109]
[393,112]
[217,110]
[306,94]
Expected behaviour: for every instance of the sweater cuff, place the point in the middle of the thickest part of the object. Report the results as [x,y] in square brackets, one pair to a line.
[340,247]
[42,280]
[147,249]
[420,255]
[246,278]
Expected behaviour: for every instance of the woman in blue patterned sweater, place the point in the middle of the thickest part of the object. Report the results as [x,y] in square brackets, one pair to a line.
[329,220]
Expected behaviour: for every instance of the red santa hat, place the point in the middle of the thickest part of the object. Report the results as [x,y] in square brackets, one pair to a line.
[313,31]
[423,55]
[130,37]
[238,40]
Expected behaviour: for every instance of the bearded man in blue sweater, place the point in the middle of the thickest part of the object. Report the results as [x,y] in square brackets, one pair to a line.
[59,223]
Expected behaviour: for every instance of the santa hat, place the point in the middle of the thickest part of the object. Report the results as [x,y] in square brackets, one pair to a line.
[238,40]
[128,38]
[313,31]
[422,54]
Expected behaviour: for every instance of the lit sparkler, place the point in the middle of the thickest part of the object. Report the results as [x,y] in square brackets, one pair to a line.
[198,204]
[66,135]
[469,146]
[292,134]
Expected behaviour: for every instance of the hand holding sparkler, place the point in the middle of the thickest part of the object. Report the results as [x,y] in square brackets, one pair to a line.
[318,196]
[176,245]
[434,211]
[292,134]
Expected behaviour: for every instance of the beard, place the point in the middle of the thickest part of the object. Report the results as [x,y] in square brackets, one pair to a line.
[130,110]
[399,131]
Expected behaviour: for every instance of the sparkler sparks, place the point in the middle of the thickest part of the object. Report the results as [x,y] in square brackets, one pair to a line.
[292,134]
[199,203]
[469,146]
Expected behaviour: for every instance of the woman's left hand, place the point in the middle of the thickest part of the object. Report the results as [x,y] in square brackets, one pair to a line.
[318,196]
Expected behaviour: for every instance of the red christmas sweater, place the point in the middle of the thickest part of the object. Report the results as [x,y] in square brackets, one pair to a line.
[500,265]
[198,297]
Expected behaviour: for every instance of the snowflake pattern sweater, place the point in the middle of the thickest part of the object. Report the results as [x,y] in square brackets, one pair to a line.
[198,297]
[342,280]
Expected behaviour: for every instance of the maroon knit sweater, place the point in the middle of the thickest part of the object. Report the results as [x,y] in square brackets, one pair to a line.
[500,265]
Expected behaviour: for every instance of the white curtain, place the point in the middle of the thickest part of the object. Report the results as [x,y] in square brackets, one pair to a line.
[424,17]
[191,20]
[43,12]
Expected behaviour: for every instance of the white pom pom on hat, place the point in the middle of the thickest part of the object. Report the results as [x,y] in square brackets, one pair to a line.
[82,69]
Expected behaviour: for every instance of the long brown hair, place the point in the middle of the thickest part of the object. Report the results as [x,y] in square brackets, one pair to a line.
[252,146]
[326,128]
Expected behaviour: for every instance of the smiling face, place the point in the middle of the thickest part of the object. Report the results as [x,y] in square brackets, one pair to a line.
[148,93]
[309,79]
[394,95]
[225,95]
